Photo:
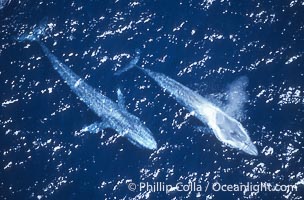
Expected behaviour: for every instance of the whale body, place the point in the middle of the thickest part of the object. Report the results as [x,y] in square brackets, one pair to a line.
[226,129]
[113,115]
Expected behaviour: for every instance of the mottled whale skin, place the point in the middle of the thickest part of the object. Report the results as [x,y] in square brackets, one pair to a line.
[113,115]
[227,129]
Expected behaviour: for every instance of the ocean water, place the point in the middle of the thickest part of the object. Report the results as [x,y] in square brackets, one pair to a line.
[205,45]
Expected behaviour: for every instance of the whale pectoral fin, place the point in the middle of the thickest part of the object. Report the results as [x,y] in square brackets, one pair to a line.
[120,99]
[95,127]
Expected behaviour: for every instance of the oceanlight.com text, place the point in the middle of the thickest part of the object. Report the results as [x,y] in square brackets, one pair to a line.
[261,187]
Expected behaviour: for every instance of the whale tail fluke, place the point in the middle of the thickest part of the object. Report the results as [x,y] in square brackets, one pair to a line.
[36,33]
[132,64]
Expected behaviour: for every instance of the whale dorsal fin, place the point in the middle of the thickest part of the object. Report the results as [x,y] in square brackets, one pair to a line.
[237,97]
[132,64]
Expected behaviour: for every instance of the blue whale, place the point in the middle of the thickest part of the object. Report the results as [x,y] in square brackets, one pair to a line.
[113,115]
[226,128]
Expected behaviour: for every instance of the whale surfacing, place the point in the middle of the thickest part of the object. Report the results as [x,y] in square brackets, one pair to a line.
[226,128]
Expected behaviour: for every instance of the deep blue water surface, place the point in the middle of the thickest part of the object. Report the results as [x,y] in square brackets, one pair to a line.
[204,45]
